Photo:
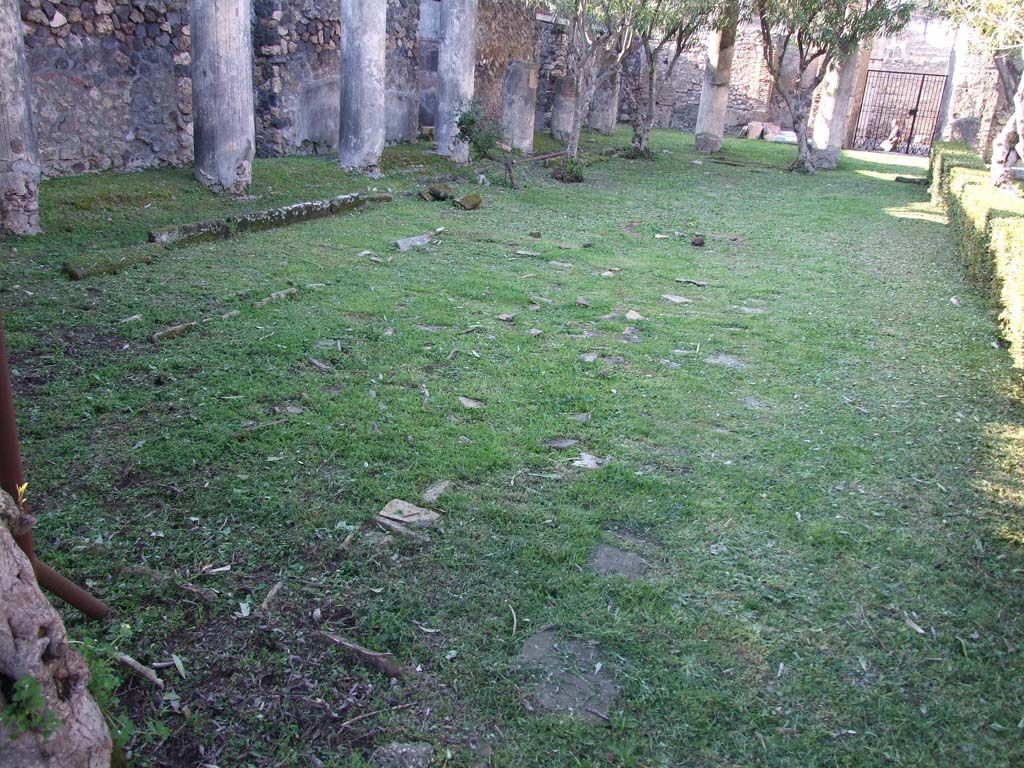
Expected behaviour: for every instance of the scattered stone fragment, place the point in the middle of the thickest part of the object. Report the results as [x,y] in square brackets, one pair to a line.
[575,680]
[469,402]
[688,281]
[726,360]
[131,319]
[610,316]
[412,242]
[698,241]
[582,302]
[430,328]
[559,263]
[751,310]
[533,307]
[614,360]
[588,461]
[436,491]
[403,756]
[669,363]
[535,234]
[524,252]
[676,299]
[535,332]
[561,443]
[630,335]
[612,561]
[587,244]
[469,202]
[588,357]
[607,273]
[634,315]
[756,403]
[506,317]
[582,418]
[661,237]
[329,344]
[408,514]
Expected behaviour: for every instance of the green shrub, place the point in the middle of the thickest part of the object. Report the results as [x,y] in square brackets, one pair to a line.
[988,227]
[481,132]
[570,170]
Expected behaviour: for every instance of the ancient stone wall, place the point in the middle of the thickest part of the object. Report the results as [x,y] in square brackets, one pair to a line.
[506,30]
[750,87]
[112,87]
[553,41]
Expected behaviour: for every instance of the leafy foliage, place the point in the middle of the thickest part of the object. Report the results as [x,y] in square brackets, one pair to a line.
[27,711]
[570,170]
[821,32]
[479,130]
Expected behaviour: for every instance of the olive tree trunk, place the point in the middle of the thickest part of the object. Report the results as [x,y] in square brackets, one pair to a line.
[34,644]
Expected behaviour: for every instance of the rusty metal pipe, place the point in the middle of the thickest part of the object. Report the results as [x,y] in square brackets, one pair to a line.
[12,475]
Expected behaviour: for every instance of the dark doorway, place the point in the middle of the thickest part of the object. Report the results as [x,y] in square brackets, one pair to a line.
[899,112]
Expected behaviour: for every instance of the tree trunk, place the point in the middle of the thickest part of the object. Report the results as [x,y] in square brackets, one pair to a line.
[34,643]
[1008,147]
[800,109]
[651,107]
[714,93]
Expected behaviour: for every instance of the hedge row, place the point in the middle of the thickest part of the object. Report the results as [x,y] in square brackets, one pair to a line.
[988,226]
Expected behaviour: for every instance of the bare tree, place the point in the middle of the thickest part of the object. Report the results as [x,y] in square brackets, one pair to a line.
[661,27]
[819,31]
[600,36]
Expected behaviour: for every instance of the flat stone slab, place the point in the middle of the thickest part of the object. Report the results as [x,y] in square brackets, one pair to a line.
[574,680]
[403,756]
[726,360]
[612,561]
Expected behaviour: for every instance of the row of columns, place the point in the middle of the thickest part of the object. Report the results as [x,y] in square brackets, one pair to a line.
[223,113]
[224,133]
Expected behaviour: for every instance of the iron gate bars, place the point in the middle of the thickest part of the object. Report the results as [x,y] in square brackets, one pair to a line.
[899,111]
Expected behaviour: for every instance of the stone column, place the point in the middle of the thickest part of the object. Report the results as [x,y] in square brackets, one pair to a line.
[362,131]
[224,129]
[563,107]
[19,155]
[714,92]
[829,130]
[519,105]
[456,73]
[604,108]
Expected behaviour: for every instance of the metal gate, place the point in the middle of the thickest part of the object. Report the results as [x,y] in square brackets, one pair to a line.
[899,112]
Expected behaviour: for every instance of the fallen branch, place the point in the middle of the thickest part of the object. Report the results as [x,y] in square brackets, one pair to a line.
[382,662]
[140,669]
[270,596]
[349,723]
[548,156]
[287,293]
[174,330]
[77,272]
[397,527]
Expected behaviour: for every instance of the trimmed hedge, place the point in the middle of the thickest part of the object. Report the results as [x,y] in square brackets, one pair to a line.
[988,226]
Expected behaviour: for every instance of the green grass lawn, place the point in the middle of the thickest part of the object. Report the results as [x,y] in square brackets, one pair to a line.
[829,523]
